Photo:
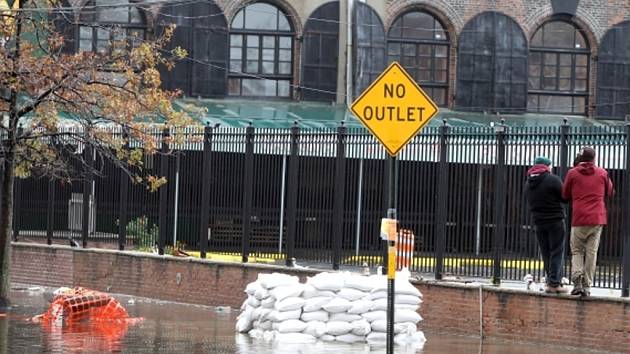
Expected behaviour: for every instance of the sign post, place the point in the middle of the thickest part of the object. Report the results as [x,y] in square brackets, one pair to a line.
[394,109]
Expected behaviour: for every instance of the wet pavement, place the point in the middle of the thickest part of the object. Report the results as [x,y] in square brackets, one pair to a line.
[180,328]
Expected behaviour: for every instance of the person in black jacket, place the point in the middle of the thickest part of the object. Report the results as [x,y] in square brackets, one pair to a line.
[544,197]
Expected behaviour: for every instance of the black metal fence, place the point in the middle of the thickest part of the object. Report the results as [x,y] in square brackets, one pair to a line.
[319,195]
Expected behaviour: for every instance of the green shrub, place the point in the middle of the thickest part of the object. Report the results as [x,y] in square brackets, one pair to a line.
[144,235]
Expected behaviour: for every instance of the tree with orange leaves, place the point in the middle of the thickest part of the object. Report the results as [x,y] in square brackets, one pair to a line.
[55,104]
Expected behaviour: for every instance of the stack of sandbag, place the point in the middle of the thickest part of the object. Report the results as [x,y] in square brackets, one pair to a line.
[340,307]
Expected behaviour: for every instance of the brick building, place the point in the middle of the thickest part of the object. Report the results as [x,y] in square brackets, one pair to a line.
[565,57]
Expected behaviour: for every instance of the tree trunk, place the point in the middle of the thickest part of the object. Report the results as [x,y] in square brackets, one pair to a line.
[6,227]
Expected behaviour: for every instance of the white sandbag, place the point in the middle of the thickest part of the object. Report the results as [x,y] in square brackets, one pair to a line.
[405,338]
[360,306]
[311,292]
[251,288]
[408,327]
[278,316]
[269,335]
[265,325]
[327,281]
[261,293]
[359,282]
[256,313]
[350,338]
[294,338]
[327,338]
[315,303]
[361,327]
[376,337]
[345,317]
[251,301]
[264,314]
[255,333]
[271,281]
[268,302]
[315,316]
[381,326]
[337,328]
[315,328]
[379,305]
[337,305]
[407,307]
[407,299]
[406,288]
[351,294]
[284,291]
[291,326]
[243,325]
[380,294]
[375,316]
[247,313]
[406,316]
[290,303]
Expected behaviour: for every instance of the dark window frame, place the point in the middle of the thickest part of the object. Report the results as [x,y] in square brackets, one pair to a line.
[613,74]
[277,34]
[558,52]
[433,44]
[88,18]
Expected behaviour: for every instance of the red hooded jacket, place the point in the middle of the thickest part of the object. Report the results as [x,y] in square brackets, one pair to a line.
[585,186]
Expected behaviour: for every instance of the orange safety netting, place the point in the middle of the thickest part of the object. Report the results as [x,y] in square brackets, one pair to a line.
[80,320]
[78,304]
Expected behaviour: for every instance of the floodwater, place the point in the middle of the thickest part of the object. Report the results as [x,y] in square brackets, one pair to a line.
[179,328]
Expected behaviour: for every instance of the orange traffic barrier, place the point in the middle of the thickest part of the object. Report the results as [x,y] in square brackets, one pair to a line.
[405,245]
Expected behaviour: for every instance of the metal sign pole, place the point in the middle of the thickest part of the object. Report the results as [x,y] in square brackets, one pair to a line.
[391,256]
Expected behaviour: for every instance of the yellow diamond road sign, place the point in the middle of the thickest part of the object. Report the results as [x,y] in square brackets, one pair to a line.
[394,108]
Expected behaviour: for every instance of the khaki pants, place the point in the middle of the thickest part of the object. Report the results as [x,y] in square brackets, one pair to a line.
[584,245]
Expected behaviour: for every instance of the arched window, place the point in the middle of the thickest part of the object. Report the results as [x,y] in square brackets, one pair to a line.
[558,69]
[418,41]
[261,52]
[201,29]
[321,37]
[107,26]
[613,73]
[368,46]
[492,65]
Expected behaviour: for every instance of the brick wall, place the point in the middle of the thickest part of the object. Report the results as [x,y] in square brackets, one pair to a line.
[595,323]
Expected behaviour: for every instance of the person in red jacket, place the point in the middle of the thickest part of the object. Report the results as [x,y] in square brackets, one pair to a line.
[586,186]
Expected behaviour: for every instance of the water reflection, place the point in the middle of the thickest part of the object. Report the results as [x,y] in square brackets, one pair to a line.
[177,328]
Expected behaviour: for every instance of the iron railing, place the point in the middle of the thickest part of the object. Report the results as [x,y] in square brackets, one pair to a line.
[319,195]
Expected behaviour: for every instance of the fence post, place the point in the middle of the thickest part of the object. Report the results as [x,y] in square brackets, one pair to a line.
[50,209]
[292,190]
[563,168]
[499,203]
[162,217]
[340,192]
[87,186]
[625,280]
[564,149]
[248,181]
[122,211]
[17,201]
[205,192]
[440,234]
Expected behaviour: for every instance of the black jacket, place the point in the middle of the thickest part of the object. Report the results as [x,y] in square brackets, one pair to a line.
[543,191]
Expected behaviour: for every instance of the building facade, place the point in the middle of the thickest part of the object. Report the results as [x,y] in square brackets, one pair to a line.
[568,57]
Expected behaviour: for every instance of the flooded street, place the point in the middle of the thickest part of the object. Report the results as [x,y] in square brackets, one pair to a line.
[178,328]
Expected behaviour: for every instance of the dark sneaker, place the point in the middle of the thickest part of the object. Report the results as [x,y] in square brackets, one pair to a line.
[577,290]
[586,292]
